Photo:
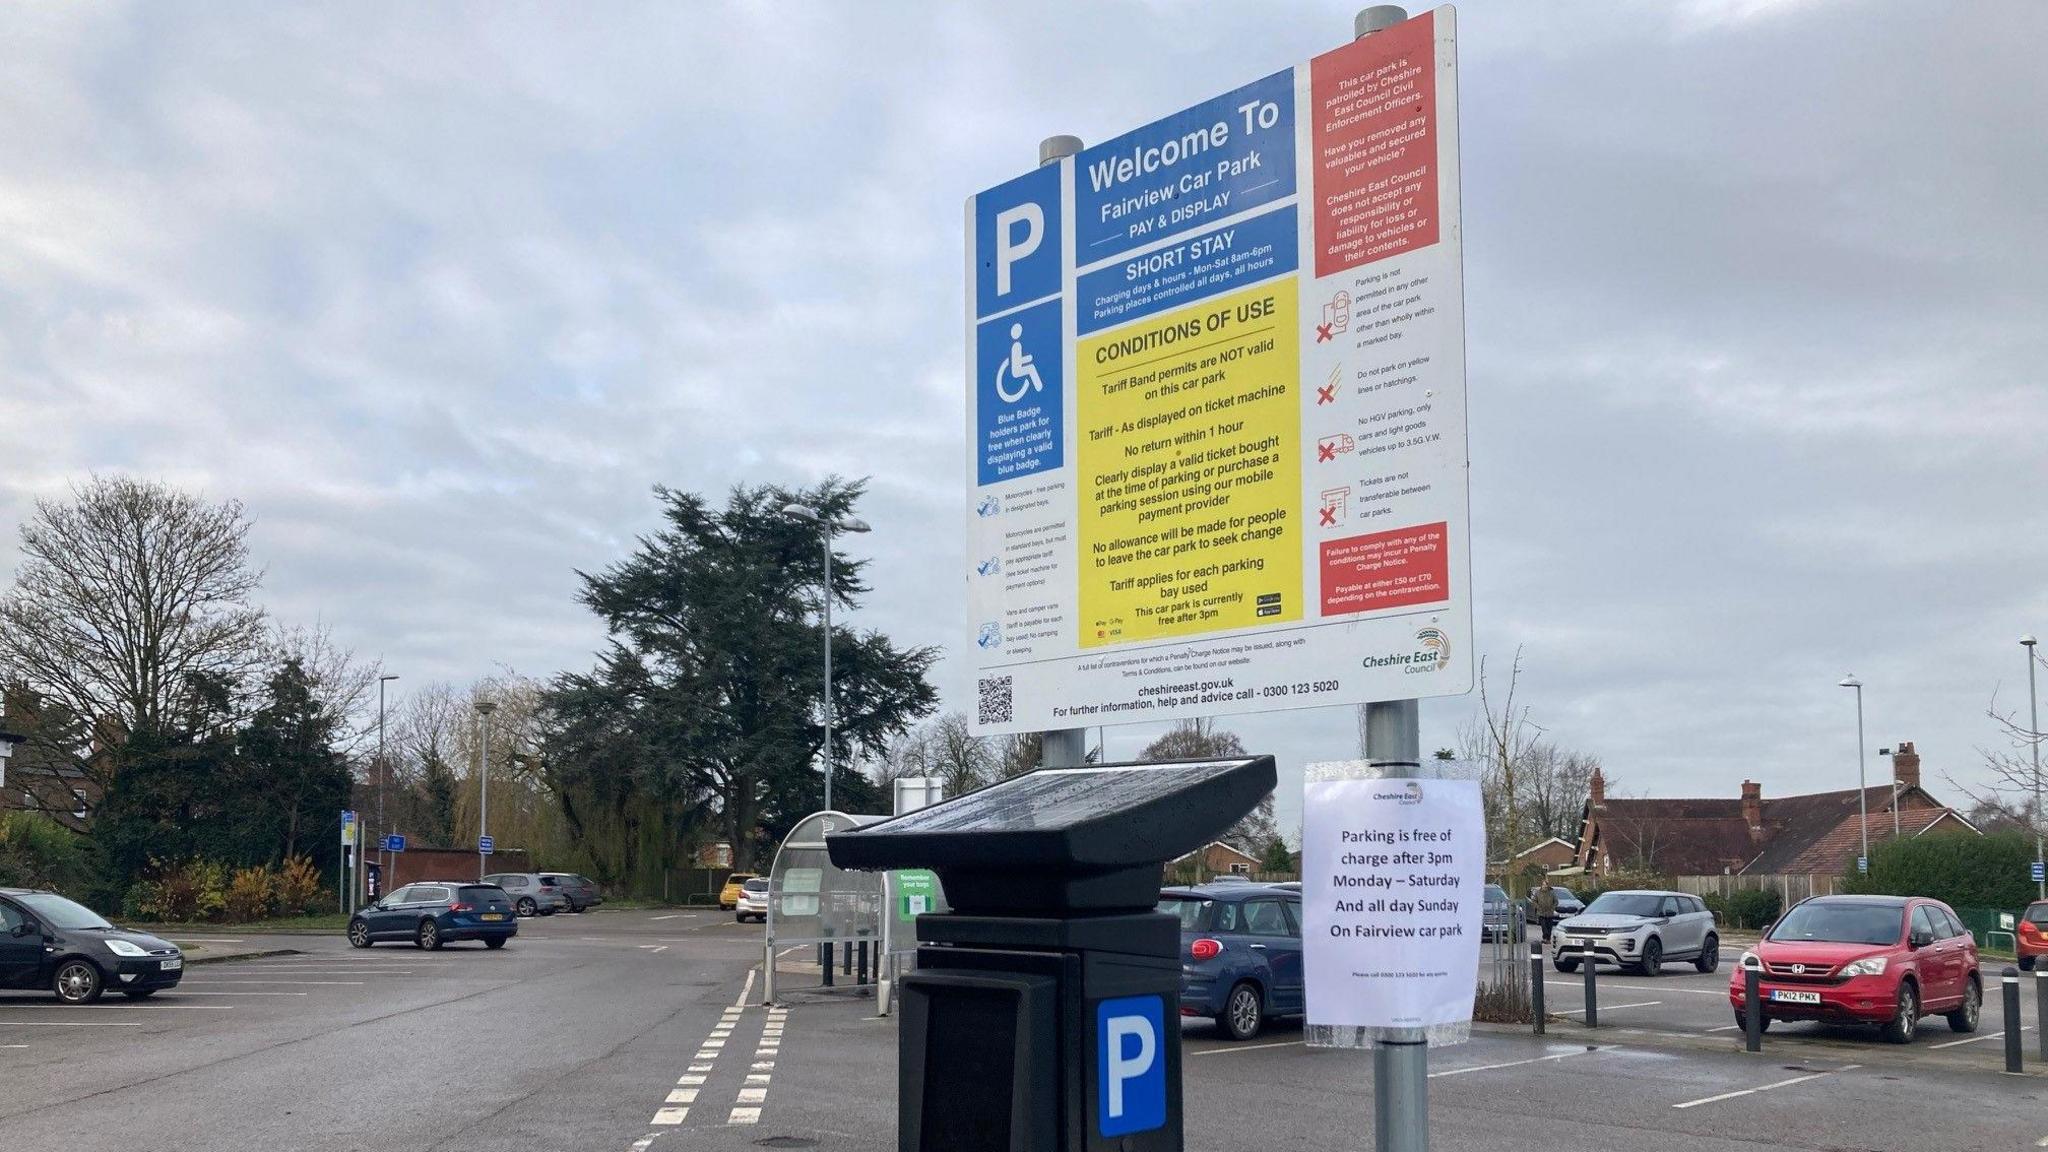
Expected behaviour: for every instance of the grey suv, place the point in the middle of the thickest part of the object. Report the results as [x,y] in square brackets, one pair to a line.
[531,893]
[1639,930]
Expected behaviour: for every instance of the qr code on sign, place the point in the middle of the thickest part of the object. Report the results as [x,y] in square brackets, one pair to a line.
[996,700]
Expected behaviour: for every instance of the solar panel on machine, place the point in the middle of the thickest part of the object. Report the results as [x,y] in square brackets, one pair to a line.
[1056,798]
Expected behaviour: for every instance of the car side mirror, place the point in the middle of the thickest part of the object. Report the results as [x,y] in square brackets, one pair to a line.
[1919,939]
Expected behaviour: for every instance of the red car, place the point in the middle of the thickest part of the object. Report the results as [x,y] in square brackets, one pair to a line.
[2033,935]
[1883,960]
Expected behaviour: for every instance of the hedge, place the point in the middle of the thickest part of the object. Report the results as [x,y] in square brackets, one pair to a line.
[1960,870]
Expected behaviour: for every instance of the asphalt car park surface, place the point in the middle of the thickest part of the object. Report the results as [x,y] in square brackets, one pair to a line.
[638,1031]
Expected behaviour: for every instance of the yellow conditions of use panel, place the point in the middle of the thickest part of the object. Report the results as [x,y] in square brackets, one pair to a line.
[1190,470]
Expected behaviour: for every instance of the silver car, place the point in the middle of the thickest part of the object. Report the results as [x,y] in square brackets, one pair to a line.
[531,893]
[1642,930]
[753,901]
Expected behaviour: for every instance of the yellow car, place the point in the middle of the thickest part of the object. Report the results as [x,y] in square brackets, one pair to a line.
[729,896]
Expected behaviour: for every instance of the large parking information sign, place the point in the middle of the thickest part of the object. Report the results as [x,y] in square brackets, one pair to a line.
[1217,414]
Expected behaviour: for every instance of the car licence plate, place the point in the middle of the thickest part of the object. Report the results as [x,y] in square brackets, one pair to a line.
[494,915]
[1785,997]
[173,965]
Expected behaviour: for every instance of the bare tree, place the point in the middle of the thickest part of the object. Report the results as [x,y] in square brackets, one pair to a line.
[1504,737]
[1556,782]
[131,599]
[2009,799]
[1199,739]
[943,748]
[344,686]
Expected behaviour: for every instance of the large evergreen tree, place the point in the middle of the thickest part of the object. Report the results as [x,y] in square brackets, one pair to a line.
[705,706]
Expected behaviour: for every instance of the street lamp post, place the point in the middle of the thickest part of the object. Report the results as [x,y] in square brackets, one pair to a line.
[484,708]
[1862,792]
[826,530]
[382,774]
[2034,742]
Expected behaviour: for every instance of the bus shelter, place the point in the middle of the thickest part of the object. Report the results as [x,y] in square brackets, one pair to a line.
[811,902]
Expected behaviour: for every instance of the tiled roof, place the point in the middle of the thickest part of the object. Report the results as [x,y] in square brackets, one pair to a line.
[1814,833]
[1693,837]
[1835,853]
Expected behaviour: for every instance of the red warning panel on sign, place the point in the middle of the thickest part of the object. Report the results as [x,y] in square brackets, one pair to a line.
[1372,109]
[1386,570]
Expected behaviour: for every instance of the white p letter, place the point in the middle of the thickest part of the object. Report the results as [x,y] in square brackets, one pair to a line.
[1008,250]
[1122,1069]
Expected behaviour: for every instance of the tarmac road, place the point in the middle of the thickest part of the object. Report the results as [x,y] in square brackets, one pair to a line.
[622,1032]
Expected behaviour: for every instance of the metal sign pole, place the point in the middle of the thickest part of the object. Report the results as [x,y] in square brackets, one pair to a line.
[1400,1060]
[1061,747]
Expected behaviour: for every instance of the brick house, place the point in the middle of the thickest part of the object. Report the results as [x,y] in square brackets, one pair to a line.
[1554,853]
[1215,859]
[1749,835]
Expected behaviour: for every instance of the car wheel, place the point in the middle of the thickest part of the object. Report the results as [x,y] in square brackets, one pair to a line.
[1243,1014]
[429,936]
[1652,963]
[138,993]
[1905,1021]
[78,982]
[1964,1018]
[359,934]
[2026,963]
[526,907]
[1710,954]
[494,942]
[1564,965]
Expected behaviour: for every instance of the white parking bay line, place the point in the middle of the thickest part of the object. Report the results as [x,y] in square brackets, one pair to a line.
[1611,1007]
[1246,1048]
[744,1116]
[1721,992]
[670,916]
[671,1115]
[291,983]
[1519,1063]
[64,1024]
[184,993]
[1764,1087]
[1976,1039]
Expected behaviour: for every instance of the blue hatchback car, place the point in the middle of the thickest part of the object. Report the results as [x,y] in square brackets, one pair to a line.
[1240,953]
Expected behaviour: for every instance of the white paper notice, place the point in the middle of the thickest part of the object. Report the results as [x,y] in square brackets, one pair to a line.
[1393,890]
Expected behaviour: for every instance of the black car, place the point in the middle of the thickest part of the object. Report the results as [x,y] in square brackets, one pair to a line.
[434,912]
[49,942]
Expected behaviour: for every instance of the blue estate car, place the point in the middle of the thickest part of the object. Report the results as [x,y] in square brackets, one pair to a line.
[1240,953]
[432,913]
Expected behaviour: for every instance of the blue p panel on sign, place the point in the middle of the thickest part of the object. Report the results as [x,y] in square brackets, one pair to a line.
[1018,399]
[485,845]
[1017,254]
[1216,159]
[394,843]
[1130,1065]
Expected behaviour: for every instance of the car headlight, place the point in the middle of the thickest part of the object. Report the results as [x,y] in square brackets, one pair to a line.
[124,948]
[1746,959]
[1869,966]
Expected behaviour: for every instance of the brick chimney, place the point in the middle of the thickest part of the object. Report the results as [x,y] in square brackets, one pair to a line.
[1599,795]
[1753,810]
[1906,767]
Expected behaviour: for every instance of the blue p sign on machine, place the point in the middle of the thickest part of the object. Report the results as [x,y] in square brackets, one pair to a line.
[1130,1065]
[485,845]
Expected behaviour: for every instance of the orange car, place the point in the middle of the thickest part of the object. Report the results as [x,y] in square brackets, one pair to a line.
[729,896]
[2033,935]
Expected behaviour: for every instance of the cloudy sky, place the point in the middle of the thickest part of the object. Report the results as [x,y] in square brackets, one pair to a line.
[1754,294]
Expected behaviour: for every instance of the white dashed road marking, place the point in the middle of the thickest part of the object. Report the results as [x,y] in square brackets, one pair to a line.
[1246,1048]
[1976,1039]
[1611,1007]
[63,1024]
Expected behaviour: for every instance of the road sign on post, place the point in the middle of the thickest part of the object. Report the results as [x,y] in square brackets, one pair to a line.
[485,845]
[1217,415]
[2037,873]
[394,843]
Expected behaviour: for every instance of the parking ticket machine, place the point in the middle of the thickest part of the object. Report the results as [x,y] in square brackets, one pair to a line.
[1044,1014]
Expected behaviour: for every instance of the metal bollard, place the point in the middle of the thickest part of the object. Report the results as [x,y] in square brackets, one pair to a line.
[1592,986]
[1752,1004]
[2009,976]
[2041,1003]
[860,967]
[1536,982]
[825,962]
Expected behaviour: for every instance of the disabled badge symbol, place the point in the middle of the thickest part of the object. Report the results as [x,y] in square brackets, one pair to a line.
[1017,375]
